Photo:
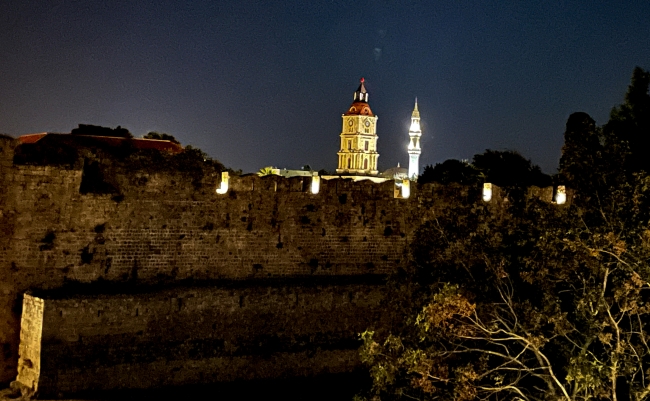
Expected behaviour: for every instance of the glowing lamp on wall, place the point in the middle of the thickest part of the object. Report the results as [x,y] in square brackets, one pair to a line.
[560,196]
[406,188]
[487,192]
[402,189]
[223,187]
[315,184]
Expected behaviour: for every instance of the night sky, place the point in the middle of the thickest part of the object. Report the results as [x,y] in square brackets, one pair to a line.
[257,83]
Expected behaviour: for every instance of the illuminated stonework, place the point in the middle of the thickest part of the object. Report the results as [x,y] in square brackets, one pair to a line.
[31,330]
[358,153]
[487,192]
[414,143]
[223,186]
[560,196]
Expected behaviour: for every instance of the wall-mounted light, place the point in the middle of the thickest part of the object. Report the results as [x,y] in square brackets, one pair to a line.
[315,184]
[487,192]
[560,196]
[223,186]
[406,188]
[402,189]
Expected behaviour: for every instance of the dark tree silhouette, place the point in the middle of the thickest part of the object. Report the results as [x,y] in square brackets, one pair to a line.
[581,164]
[161,136]
[509,169]
[450,171]
[96,130]
[627,134]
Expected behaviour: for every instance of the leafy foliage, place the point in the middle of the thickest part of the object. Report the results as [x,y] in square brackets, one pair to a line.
[450,171]
[96,130]
[101,161]
[528,300]
[264,171]
[529,304]
[503,168]
[509,169]
[579,165]
[160,136]
[627,134]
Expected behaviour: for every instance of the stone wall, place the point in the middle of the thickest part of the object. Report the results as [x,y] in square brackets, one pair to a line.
[180,282]
[187,335]
[163,228]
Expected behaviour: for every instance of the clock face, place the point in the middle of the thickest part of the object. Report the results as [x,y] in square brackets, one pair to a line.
[367,123]
[350,123]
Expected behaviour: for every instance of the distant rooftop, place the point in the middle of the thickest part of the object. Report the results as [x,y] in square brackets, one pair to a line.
[138,143]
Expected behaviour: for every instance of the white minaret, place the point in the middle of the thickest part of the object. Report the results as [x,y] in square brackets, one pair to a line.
[414,143]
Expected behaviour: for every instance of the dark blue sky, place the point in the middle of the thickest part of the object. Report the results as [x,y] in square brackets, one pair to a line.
[257,83]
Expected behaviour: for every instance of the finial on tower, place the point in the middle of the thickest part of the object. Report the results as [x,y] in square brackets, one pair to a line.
[416,112]
[361,95]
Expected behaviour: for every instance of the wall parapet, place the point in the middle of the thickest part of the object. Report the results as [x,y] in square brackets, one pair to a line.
[385,190]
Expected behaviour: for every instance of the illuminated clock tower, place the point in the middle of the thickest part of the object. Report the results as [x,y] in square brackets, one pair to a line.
[358,153]
[414,149]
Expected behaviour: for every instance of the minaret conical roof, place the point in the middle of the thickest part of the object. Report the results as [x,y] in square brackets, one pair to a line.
[416,112]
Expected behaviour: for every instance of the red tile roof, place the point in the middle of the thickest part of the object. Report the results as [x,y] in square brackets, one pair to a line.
[359,109]
[138,143]
[31,138]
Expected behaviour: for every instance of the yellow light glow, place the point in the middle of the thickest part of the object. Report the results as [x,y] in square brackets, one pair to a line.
[560,196]
[406,188]
[487,192]
[223,187]
[315,184]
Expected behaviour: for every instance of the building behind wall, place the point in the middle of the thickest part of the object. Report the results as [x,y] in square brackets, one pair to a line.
[358,152]
[414,149]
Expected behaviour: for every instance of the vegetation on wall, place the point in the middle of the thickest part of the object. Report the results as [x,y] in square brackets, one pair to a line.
[541,302]
[100,161]
[160,136]
[264,171]
[503,168]
[96,130]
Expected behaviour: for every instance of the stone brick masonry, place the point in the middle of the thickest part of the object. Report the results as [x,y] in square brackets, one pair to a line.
[291,277]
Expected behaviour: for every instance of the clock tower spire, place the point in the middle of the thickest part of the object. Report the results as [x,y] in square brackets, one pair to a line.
[358,153]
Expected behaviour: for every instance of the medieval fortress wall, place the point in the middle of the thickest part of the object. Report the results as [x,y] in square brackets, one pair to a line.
[171,280]
[170,283]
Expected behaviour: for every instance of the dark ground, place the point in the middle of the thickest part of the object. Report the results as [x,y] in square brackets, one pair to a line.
[333,387]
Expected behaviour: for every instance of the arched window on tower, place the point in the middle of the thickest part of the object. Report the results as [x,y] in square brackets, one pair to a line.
[349,162]
[365,164]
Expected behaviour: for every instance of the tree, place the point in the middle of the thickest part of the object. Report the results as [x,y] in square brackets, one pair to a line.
[528,300]
[529,304]
[509,169]
[581,166]
[96,130]
[627,133]
[264,171]
[450,171]
[161,136]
